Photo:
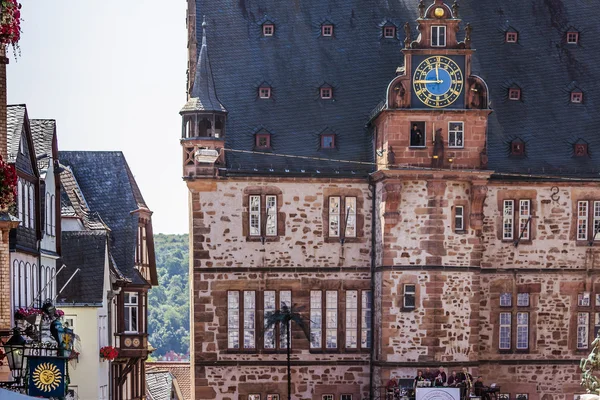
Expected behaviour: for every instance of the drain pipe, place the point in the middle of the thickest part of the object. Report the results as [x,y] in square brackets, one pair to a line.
[374,217]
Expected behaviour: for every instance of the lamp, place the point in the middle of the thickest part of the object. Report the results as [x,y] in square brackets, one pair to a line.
[15,354]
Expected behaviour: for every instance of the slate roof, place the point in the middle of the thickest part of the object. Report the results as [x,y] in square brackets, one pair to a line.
[180,371]
[159,384]
[42,132]
[106,182]
[358,63]
[85,250]
[73,203]
[15,117]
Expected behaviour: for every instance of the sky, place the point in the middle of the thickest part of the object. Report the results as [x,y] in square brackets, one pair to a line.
[112,73]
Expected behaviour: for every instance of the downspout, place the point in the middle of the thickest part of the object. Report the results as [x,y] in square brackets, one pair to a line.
[373,261]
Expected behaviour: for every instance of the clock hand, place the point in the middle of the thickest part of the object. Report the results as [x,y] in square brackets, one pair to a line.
[437,74]
[426,81]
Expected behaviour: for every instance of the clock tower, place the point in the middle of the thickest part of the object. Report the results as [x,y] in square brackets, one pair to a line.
[431,184]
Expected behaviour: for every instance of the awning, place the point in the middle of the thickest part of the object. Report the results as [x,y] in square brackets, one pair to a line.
[8,395]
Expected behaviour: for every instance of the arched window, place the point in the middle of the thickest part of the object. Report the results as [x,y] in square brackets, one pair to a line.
[20,199]
[23,278]
[53,216]
[35,287]
[15,283]
[44,280]
[31,206]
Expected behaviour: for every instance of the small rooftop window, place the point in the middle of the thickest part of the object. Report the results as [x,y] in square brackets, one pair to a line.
[512,37]
[328,141]
[514,94]
[581,149]
[576,97]
[389,32]
[264,92]
[326,93]
[517,148]
[572,37]
[327,30]
[263,140]
[268,29]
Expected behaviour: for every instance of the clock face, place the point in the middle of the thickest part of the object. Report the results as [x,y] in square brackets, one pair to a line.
[438,81]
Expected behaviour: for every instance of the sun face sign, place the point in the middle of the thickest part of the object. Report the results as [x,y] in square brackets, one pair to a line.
[46,377]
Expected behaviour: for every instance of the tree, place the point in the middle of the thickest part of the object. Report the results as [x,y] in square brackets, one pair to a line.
[284,318]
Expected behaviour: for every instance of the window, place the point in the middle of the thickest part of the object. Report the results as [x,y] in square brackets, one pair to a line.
[263,141]
[249,319]
[417,134]
[69,321]
[262,214]
[512,37]
[327,141]
[233,320]
[577,97]
[316,318]
[20,199]
[522,299]
[583,299]
[455,134]
[131,312]
[334,216]
[328,397]
[572,37]
[438,36]
[22,145]
[597,325]
[514,94]
[268,29]
[524,396]
[459,218]
[351,319]
[580,149]
[389,32]
[409,296]
[522,331]
[103,392]
[326,93]
[346,397]
[25,204]
[505,328]
[272,397]
[269,307]
[31,196]
[271,229]
[582,330]
[102,331]
[285,300]
[264,92]
[517,148]
[327,30]
[588,223]
[331,319]
[505,300]
[365,320]
[350,217]
[512,231]
[254,215]
[254,397]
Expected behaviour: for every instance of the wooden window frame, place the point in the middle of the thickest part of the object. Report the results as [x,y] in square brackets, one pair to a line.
[327,30]
[511,37]
[252,212]
[580,149]
[328,135]
[572,37]
[517,219]
[268,29]
[389,32]
[439,30]
[277,331]
[341,215]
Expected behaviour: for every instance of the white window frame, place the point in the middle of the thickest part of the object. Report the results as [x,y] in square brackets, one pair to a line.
[285,298]
[264,92]
[31,195]
[407,293]
[254,397]
[350,216]
[523,299]
[505,299]
[265,28]
[504,331]
[508,219]
[233,324]
[584,299]
[327,27]
[269,305]
[335,203]
[459,216]
[452,135]
[436,32]
[572,37]
[131,308]
[524,219]
[522,330]
[366,315]
[582,220]
[316,319]
[254,229]
[596,220]
[392,29]
[352,319]
[26,204]
[328,397]
[47,216]
[249,319]
[20,199]
[331,319]
[271,209]
[272,397]
[583,325]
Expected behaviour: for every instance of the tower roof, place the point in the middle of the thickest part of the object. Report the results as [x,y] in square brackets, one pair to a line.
[204,95]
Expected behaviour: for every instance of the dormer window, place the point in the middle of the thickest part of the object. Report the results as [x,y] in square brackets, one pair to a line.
[577,97]
[328,141]
[327,30]
[572,37]
[389,32]
[263,141]
[581,149]
[517,148]
[514,94]
[438,36]
[264,92]
[268,29]
[326,93]
[512,37]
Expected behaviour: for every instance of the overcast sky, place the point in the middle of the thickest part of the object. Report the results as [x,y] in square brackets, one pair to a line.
[112,74]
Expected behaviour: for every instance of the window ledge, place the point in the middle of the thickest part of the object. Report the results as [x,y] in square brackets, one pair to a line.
[408,309]
[266,239]
[346,240]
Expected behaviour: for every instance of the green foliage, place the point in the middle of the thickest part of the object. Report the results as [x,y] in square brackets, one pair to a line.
[169,303]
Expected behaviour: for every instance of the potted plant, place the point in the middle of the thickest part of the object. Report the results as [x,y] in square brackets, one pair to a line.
[10,24]
[108,353]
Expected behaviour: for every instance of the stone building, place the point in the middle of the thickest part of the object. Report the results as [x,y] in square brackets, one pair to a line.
[426,194]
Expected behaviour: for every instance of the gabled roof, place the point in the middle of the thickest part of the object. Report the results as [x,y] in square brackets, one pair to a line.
[362,65]
[73,204]
[180,372]
[42,132]
[15,118]
[159,384]
[109,189]
[85,250]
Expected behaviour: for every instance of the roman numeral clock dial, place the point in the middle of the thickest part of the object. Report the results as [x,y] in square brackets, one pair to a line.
[438,81]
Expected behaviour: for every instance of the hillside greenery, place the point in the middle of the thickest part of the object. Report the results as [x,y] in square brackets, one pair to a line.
[169,303]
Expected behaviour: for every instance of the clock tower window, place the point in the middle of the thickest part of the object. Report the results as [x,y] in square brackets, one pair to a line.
[417,134]
[438,36]
[456,134]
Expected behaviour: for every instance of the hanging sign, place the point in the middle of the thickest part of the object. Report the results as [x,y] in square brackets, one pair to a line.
[46,376]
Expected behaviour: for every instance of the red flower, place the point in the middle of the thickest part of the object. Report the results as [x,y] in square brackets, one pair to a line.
[109,353]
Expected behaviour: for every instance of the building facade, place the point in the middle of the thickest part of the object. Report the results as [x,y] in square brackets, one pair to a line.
[407,186]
